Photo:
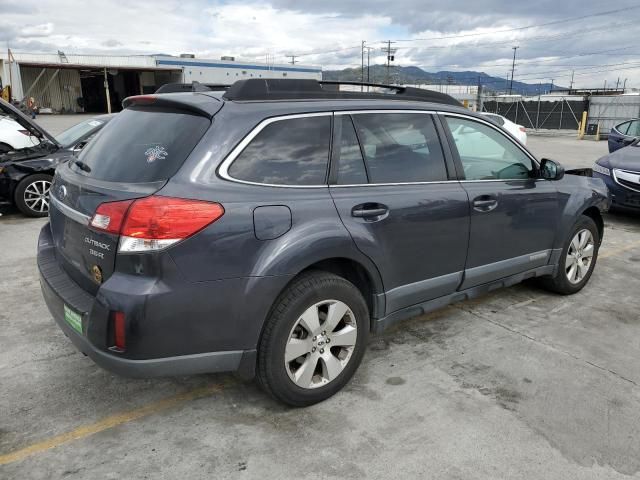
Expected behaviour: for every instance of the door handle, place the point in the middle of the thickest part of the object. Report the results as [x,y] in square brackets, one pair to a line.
[485,203]
[369,210]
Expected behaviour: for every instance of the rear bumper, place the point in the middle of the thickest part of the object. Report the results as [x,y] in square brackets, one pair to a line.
[59,290]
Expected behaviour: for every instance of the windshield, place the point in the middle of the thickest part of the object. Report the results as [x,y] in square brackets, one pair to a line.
[70,137]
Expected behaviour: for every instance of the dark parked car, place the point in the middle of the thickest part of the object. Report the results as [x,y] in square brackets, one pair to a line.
[271,228]
[623,134]
[620,171]
[26,173]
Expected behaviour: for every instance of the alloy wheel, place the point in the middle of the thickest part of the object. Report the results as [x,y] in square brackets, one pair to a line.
[36,196]
[320,344]
[579,256]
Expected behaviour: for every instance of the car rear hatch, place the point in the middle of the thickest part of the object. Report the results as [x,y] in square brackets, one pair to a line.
[132,157]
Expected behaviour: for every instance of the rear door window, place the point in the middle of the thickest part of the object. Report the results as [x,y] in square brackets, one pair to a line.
[634,128]
[351,169]
[142,145]
[497,119]
[400,147]
[623,127]
[287,152]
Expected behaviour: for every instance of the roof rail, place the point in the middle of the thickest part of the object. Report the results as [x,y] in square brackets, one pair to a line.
[191,87]
[255,89]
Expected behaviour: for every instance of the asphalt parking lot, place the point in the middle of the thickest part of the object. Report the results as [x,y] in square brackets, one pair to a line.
[518,384]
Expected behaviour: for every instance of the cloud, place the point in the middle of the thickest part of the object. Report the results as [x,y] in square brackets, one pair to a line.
[111,43]
[328,33]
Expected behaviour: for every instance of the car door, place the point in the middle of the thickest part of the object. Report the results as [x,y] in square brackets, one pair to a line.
[514,213]
[623,134]
[394,193]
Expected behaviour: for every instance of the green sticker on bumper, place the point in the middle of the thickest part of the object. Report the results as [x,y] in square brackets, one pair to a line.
[74,319]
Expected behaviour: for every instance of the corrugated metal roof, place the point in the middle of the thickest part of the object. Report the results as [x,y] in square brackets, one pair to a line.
[201,62]
[143,62]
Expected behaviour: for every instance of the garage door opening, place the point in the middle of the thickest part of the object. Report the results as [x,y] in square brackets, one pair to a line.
[122,84]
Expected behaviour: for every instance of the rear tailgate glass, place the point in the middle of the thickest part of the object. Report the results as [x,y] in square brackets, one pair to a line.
[142,145]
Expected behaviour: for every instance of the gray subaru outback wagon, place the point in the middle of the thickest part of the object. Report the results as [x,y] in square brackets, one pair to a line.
[269,228]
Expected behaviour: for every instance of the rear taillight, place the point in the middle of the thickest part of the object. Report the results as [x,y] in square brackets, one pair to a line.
[25,132]
[109,216]
[154,223]
[522,129]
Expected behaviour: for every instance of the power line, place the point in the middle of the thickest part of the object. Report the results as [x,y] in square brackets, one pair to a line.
[584,31]
[555,22]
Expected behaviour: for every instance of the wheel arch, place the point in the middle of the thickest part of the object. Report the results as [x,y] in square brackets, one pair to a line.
[355,272]
[594,214]
[368,282]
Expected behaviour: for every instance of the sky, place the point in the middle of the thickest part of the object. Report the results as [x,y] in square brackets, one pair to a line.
[595,40]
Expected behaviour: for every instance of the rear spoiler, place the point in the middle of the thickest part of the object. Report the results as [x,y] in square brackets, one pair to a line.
[197,103]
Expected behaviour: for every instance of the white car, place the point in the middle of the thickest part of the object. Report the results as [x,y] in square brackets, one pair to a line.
[514,129]
[13,136]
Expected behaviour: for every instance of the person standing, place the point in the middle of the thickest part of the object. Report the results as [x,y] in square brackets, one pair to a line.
[31,106]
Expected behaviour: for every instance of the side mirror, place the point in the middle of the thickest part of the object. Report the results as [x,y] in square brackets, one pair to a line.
[550,170]
[632,142]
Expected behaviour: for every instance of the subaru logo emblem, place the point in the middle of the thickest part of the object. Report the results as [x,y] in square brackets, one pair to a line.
[62,191]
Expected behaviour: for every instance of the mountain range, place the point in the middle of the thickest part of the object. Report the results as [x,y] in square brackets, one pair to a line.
[416,75]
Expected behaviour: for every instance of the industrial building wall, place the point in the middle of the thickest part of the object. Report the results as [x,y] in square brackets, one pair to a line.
[610,110]
[58,91]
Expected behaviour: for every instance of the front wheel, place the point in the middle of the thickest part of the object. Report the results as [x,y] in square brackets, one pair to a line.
[313,340]
[32,195]
[578,259]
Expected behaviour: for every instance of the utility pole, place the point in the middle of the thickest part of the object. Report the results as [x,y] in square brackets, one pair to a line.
[369,64]
[624,85]
[513,68]
[390,57]
[571,85]
[617,83]
[293,59]
[362,65]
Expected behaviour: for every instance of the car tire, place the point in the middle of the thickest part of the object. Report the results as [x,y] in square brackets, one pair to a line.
[297,363]
[570,277]
[32,195]
[4,148]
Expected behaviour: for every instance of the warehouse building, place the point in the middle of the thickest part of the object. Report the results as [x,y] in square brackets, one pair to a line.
[62,83]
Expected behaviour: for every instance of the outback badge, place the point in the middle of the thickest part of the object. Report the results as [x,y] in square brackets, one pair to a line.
[96,272]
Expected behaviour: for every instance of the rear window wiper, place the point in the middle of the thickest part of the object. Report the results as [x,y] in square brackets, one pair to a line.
[83,166]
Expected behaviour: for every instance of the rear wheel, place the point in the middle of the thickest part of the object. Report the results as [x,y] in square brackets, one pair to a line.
[32,195]
[4,148]
[313,340]
[577,260]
